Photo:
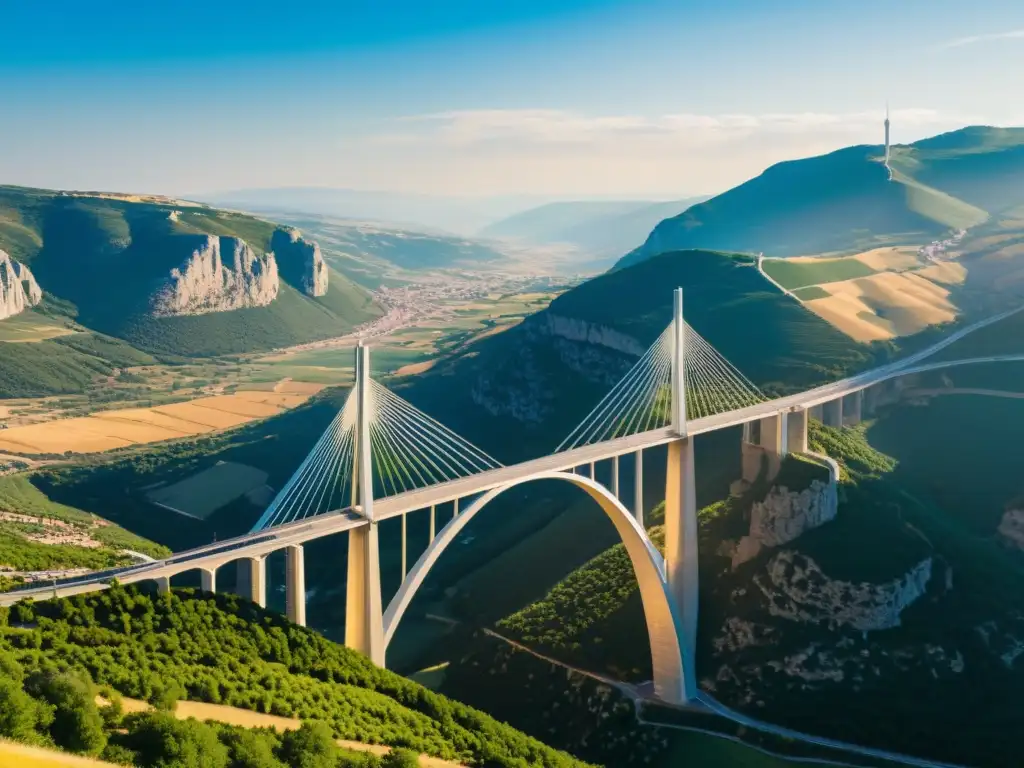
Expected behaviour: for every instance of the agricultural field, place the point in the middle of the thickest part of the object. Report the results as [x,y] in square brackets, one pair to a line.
[879,294]
[107,430]
[30,326]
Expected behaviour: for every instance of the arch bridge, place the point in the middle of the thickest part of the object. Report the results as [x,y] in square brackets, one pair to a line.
[381,458]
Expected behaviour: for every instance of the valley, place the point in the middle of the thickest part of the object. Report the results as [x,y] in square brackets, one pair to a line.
[862,605]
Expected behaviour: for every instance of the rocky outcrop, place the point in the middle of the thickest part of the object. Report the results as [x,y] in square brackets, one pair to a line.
[572,329]
[18,287]
[797,589]
[1011,527]
[300,262]
[784,515]
[204,283]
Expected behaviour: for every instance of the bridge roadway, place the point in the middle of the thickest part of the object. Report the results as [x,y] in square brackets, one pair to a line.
[214,555]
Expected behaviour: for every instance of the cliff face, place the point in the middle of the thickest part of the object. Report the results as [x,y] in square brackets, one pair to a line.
[521,386]
[784,515]
[18,288]
[1011,527]
[300,262]
[797,589]
[205,283]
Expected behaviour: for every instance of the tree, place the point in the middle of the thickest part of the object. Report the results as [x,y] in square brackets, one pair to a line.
[20,714]
[250,749]
[161,741]
[311,746]
[400,758]
[77,725]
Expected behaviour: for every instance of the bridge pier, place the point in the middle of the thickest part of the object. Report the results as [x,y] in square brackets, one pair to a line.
[832,413]
[681,572]
[852,404]
[208,580]
[163,585]
[769,440]
[796,430]
[295,582]
[252,580]
[364,616]
[638,486]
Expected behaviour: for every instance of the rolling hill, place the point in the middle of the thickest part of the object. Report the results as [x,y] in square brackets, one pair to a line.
[844,202]
[601,228]
[175,278]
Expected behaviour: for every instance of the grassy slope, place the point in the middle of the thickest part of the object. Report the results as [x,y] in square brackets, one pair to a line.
[798,274]
[225,650]
[843,201]
[105,257]
[63,365]
[768,336]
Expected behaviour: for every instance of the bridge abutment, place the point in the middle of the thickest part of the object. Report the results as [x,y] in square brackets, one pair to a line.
[295,583]
[364,616]
[681,572]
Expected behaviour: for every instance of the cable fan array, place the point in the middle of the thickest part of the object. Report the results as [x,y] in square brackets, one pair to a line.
[408,450]
[642,400]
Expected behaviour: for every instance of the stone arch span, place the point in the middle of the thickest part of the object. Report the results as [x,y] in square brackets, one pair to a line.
[664,625]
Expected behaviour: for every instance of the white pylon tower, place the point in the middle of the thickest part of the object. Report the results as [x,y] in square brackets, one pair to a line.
[364,615]
[678,366]
[681,513]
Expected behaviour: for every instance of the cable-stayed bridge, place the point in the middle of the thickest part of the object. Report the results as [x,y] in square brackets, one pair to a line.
[381,458]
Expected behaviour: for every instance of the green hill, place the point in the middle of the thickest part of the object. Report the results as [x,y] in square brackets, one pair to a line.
[522,390]
[104,256]
[843,201]
[221,650]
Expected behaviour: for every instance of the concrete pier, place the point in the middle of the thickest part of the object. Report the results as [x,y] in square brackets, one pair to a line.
[252,580]
[163,585]
[681,550]
[208,580]
[852,408]
[832,413]
[295,582]
[796,430]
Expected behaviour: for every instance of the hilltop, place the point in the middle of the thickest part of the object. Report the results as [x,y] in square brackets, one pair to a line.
[844,202]
[169,277]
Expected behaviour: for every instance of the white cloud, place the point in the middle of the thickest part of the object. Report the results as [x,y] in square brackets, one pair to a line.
[960,42]
[544,126]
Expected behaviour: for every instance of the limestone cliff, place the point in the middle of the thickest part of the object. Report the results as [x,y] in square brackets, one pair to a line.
[18,287]
[522,387]
[797,589]
[784,515]
[1011,527]
[205,283]
[300,262]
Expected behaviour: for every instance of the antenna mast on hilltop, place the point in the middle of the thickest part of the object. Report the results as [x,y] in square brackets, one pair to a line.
[887,150]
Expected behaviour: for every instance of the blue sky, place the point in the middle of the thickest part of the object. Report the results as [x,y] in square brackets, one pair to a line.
[544,97]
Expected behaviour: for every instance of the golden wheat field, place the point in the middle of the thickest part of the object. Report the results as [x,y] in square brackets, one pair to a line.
[134,426]
[884,306]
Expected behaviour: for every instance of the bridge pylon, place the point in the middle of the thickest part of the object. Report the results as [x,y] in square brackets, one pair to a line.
[681,510]
[364,619]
